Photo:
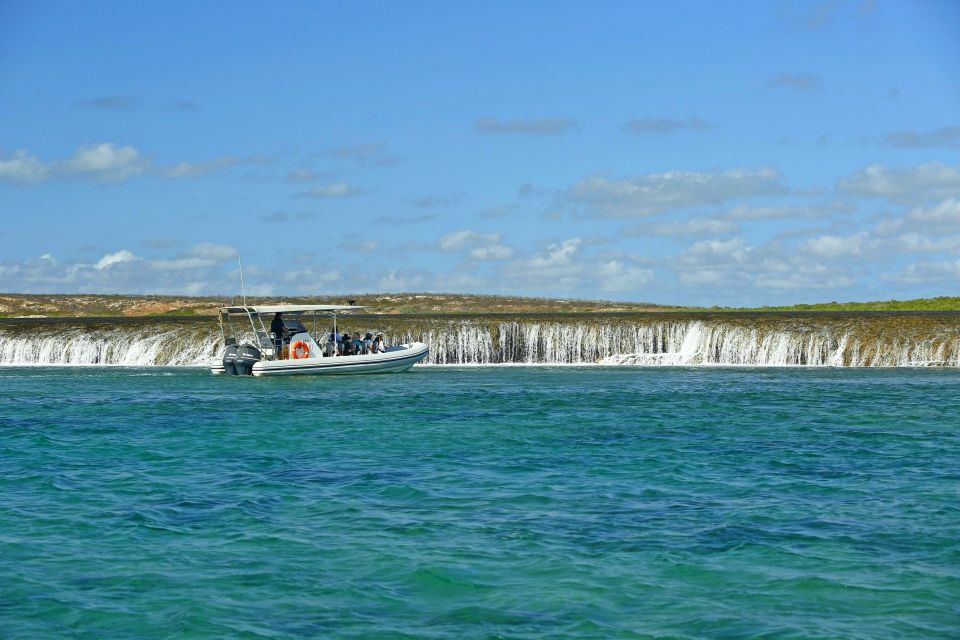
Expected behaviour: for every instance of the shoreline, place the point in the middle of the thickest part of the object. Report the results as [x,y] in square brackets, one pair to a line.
[495,315]
[205,368]
[42,306]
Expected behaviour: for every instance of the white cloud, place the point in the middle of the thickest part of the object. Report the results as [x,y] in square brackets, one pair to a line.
[426,202]
[703,276]
[311,277]
[199,256]
[685,228]
[914,242]
[555,268]
[501,211]
[938,219]
[196,287]
[563,266]
[397,280]
[928,272]
[944,137]
[114,258]
[480,246]
[933,181]
[942,217]
[204,269]
[560,266]
[122,103]
[180,264]
[825,13]
[492,252]
[395,220]
[465,238]
[458,282]
[735,265]
[830,246]
[789,275]
[197,169]
[302,175]
[213,251]
[822,210]
[620,276]
[658,192]
[557,260]
[22,167]
[537,126]
[797,81]
[889,225]
[664,125]
[332,190]
[713,261]
[108,162]
[369,154]
[712,251]
[351,243]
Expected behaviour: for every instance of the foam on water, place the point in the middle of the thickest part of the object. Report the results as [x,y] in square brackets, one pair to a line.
[874,342]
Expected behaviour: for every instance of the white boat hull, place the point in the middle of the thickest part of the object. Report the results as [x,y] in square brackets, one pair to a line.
[394,360]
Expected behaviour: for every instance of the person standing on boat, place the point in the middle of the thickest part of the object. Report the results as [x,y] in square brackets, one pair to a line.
[279,331]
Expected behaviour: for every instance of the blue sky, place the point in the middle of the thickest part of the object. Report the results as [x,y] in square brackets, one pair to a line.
[682,153]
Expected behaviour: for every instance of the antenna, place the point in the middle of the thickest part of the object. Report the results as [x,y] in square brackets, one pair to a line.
[242,290]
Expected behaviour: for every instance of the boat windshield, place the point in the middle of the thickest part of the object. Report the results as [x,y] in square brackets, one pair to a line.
[294,326]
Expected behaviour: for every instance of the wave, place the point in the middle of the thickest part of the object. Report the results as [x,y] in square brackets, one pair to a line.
[849,341]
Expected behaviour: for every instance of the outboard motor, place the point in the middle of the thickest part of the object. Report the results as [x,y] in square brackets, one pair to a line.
[247,356]
[230,359]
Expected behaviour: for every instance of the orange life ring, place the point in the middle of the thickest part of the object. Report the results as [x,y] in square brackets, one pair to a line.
[299,349]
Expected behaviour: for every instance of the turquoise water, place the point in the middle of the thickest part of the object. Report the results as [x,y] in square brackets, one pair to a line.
[480,503]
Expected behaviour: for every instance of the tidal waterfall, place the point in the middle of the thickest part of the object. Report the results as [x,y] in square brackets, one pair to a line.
[864,340]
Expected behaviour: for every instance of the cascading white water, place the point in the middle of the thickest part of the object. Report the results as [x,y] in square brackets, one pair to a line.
[648,341]
[688,343]
[99,345]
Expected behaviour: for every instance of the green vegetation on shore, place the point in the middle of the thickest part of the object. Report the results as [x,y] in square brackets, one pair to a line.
[941,303]
[93,305]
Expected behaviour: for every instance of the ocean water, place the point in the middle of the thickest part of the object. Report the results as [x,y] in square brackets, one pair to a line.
[480,503]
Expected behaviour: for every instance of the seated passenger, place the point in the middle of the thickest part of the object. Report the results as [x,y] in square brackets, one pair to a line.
[346,345]
[368,343]
[330,348]
[378,346]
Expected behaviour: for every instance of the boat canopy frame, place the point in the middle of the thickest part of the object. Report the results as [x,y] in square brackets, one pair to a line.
[255,315]
[290,308]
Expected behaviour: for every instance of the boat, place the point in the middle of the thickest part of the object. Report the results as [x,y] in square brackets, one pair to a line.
[254,350]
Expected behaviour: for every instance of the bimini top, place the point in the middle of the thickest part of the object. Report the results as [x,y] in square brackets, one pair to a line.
[290,308]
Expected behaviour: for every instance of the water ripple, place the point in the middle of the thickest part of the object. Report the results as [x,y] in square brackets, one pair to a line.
[515,503]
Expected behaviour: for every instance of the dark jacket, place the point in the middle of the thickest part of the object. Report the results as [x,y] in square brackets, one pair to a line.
[276,327]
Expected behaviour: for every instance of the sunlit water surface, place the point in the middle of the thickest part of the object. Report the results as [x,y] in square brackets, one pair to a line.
[474,503]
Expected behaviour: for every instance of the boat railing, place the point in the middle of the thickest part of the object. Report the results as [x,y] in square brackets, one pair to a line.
[265,340]
[327,349]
